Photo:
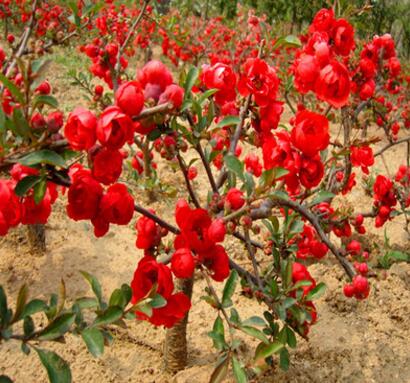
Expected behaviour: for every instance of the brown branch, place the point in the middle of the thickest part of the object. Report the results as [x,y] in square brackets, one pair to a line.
[390,145]
[265,211]
[187,181]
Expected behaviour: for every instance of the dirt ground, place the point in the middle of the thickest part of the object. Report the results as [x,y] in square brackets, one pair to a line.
[352,341]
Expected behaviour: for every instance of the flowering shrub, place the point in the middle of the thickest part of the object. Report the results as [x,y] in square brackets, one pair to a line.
[260,166]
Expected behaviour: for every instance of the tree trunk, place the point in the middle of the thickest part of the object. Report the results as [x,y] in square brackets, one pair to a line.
[175,348]
[36,235]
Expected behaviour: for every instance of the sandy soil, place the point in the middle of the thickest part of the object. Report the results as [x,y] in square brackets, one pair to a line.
[352,342]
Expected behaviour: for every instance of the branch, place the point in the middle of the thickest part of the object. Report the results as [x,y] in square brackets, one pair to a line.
[187,181]
[390,145]
[264,211]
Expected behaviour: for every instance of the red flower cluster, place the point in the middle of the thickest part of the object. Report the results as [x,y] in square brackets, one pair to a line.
[359,288]
[384,199]
[362,156]
[198,243]
[309,245]
[316,67]
[301,273]
[87,201]
[149,273]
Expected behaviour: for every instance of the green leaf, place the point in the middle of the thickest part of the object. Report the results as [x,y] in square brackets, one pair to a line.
[254,332]
[204,96]
[192,76]
[229,289]
[26,184]
[40,191]
[43,157]
[158,301]
[280,172]
[57,327]
[45,100]
[322,196]
[221,371]
[57,368]
[95,285]
[228,121]
[238,371]
[234,165]
[3,304]
[254,321]
[94,340]
[117,299]
[21,302]
[317,292]
[111,315]
[291,337]
[264,351]
[289,41]
[87,303]
[21,126]
[218,334]
[33,307]
[284,359]
[28,326]
[14,90]
[5,379]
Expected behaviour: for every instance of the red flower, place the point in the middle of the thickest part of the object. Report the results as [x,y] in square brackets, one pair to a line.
[222,77]
[183,263]
[149,233]
[367,90]
[114,128]
[36,213]
[217,231]
[107,165]
[216,260]
[253,164]
[154,78]
[343,37]
[306,70]
[311,171]
[10,213]
[55,121]
[130,98]
[84,196]
[323,21]
[235,199]
[362,156]
[149,273]
[173,94]
[80,129]
[116,206]
[18,172]
[310,133]
[260,80]
[333,84]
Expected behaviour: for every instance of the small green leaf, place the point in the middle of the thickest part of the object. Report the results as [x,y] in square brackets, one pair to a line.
[228,121]
[254,321]
[191,78]
[94,340]
[87,303]
[111,315]
[229,289]
[221,371]
[322,196]
[33,307]
[284,359]
[317,292]
[28,326]
[21,302]
[57,368]
[289,41]
[26,184]
[291,337]
[57,327]
[40,191]
[95,285]
[5,379]
[21,126]
[254,332]
[264,351]
[218,334]
[238,371]
[234,165]
[45,100]
[43,157]
[158,301]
